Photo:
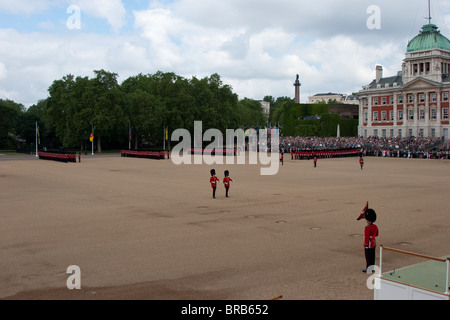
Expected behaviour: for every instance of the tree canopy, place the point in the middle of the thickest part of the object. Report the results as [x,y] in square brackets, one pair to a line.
[143,105]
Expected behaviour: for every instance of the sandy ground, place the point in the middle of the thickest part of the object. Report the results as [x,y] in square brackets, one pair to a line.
[148,229]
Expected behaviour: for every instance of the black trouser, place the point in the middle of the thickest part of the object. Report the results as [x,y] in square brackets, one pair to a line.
[370,256]
[226,188]
[214,192]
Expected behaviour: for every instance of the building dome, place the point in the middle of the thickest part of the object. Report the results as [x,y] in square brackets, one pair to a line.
[429,38]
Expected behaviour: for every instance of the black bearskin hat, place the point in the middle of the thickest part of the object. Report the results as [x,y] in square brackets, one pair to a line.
[227,173]
[371,215]
[213,172]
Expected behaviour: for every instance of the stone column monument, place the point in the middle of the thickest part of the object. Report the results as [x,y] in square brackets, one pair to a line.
[297,85]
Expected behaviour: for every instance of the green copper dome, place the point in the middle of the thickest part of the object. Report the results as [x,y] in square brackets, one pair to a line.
[429,38]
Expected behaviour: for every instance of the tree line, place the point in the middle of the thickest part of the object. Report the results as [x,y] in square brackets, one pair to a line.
[146,104]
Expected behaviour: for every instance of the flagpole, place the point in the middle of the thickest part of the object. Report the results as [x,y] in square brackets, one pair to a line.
[92,142]
[164,137]
[36,132]
[129,137]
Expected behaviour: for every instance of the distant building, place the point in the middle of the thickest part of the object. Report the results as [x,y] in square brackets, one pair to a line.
[339,98]
[415,101]
[266,108]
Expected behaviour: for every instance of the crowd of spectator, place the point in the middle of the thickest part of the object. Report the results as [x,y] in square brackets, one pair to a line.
[407,147]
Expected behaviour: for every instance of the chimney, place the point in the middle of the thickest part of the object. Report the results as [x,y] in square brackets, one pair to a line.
[379,73]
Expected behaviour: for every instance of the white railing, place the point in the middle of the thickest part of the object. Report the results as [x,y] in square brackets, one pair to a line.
[447,261]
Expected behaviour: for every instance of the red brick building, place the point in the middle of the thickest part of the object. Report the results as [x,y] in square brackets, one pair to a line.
[415,102]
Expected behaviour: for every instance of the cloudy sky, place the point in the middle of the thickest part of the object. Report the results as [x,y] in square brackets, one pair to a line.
[256,46]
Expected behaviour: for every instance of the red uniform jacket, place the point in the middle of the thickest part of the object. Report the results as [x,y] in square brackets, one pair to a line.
[213,181]
[226,181]
[370,232]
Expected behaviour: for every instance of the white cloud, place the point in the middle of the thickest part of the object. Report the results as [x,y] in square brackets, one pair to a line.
[111,10]
[31,62]
[257,47]
[3,72]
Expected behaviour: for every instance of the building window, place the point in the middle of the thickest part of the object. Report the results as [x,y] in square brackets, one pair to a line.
[366,116]
[365,133]
[375,101]
[445,96]
[411,114]
[422,114]
[375,132]
[410,132]
[375,116]
[391,115]
[392,133]
[399,133]
[383,101]
[433,97]
[383,116]
[433,114]
[383,133]
[400,99]
[433,133]
[421,133]
[421,97]
[427,67]
[445,113]
[400,115]
[410,98]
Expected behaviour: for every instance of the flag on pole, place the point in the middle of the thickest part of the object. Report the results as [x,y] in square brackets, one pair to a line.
[91,138]
[38,135]
[363,213]
[130,134]
[167,133]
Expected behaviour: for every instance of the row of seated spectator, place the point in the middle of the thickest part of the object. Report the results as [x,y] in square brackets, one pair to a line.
[372,145]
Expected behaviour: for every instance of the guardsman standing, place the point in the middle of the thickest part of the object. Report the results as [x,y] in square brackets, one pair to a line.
[213,180]
[370,233]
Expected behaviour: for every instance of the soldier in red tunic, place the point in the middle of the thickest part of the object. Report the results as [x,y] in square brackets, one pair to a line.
[213,180]
[226,181]
[370,233]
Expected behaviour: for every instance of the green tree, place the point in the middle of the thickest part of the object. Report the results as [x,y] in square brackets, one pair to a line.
[105,106]
[10,112]
[144,112]
[251,113]
[59,104]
